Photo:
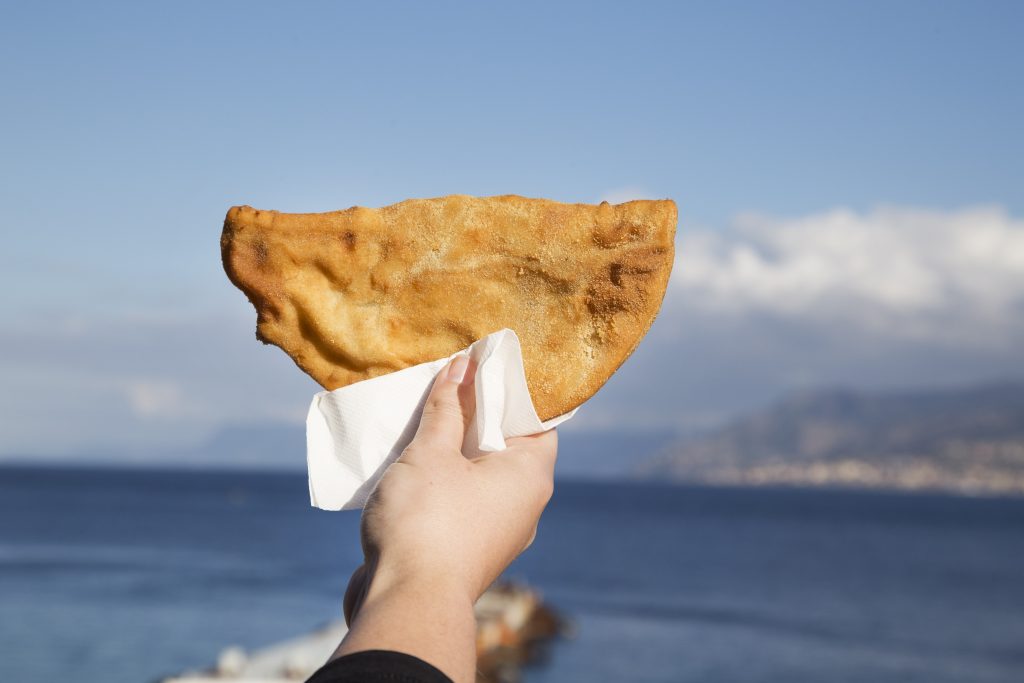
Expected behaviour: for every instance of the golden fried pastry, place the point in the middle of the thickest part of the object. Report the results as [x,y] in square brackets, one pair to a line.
[354,294]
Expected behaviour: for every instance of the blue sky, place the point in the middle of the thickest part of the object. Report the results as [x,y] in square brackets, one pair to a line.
[129,129]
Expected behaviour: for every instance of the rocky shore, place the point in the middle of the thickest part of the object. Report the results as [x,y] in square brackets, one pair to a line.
[515,627]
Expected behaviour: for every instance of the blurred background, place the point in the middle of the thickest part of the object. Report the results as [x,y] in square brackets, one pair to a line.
[809,470]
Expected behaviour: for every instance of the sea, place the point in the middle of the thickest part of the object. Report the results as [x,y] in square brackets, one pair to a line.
[113,575]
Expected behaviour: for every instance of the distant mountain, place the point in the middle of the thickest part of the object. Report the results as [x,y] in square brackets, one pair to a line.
[282,446]
[969,440]
[606,454]
[581,455]
[271,444]
[257,445]
[253,445]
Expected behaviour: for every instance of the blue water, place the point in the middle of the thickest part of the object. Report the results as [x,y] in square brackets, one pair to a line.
[116,575]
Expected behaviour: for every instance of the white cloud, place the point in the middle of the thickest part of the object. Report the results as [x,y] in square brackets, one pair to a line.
[897,270]
[886,299]
[156,398]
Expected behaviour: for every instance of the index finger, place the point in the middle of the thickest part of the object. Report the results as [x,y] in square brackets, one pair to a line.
[448,408]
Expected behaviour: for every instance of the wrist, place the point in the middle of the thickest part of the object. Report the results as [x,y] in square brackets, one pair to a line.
[426,615]
[424,582]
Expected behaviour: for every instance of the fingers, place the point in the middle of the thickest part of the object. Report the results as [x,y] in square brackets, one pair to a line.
[530,462]
[542,448]
[449,407]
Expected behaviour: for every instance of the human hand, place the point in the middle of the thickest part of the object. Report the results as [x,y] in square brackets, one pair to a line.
[439,528]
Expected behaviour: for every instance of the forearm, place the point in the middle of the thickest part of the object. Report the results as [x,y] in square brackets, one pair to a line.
[429,618]
[438,529]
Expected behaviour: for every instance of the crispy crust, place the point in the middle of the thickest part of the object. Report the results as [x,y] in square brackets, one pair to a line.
[354,294]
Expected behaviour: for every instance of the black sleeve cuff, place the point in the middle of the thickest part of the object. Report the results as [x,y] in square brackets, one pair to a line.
[378,666]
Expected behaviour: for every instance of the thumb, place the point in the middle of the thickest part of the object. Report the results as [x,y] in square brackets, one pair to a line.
[449,406]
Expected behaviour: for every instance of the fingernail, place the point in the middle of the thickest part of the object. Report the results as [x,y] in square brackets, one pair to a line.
[457,371]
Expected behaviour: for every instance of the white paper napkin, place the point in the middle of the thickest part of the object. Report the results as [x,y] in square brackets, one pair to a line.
[354,433]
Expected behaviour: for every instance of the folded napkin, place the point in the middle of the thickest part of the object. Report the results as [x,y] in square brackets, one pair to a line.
[355,432]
